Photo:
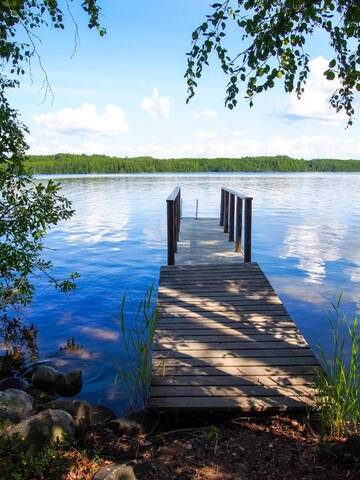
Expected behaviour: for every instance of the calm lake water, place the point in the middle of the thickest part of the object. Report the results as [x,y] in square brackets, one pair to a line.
[306,237]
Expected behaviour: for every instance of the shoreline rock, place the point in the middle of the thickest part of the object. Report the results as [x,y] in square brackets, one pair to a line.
[41,429]
[80,410]
[45,377]
[16,405]
[16,383]
[115,472]
[70,384]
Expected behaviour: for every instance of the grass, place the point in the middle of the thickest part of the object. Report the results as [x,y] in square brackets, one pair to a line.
[339,386]
[138,336]
[17,464]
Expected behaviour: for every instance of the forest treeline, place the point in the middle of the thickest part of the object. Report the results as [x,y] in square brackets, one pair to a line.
[71,163]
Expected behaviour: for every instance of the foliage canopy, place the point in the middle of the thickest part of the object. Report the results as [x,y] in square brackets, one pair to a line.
[274,37]
[27,208]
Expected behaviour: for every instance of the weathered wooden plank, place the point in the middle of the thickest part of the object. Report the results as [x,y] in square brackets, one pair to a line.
[228,380]
[224,309]
[228,318]
[244,371]
[239,319]
[165,339]
[188,268]
[262,331]
[208,270]
[234,353]
[236,361]
[193,279]
[189,348]
[216,307]
[232,391]
[213,283]
[244,404]
[188,290]
[221,300]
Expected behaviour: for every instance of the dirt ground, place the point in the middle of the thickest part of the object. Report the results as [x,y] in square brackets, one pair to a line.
[224,449]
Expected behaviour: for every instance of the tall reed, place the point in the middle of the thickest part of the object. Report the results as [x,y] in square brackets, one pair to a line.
[339,386]
[138,336]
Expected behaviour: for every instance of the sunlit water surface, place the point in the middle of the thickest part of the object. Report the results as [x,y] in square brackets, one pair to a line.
[306,237]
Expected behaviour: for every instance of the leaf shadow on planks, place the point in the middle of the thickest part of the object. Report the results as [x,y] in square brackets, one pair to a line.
[225,341]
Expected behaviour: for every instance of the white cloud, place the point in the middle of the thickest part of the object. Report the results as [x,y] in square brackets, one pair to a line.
[156,106]
[203,143]
[207,113]
[237,133]
[314,102]
[84,119]
[205,134]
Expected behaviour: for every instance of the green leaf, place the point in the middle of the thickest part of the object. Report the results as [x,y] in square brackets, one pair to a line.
[329,74]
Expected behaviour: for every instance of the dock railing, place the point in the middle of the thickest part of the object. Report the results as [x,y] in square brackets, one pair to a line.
[236,216]
[173,223]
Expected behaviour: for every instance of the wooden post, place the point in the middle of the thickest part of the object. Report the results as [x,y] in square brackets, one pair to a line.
[222,208]
[170,232]
[247,239]
[177,218]
[226,212]
[175,221]
[239,214]
[231,217]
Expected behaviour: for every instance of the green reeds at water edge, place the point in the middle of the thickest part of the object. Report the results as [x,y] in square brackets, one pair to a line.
[138,336]
[339,386]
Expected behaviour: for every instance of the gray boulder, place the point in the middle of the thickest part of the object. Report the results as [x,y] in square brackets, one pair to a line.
[115,472]
[45,377]
[14,382]
[78,409]
[45,427]
[15,405]
[122,426]
[70,384]
[41,396]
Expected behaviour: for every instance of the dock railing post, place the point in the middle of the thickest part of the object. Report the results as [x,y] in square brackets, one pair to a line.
[247,237]
[226,212]
[239,219]
[170,232]
[231,217]
[173,203]
[222,208]
[175,221]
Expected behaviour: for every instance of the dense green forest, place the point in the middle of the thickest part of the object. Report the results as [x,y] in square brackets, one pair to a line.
[68,163]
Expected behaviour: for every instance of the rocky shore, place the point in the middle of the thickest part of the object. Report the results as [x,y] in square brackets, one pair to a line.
[39,410]
[47,435]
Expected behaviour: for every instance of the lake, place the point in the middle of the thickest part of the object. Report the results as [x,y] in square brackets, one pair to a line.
[306,237]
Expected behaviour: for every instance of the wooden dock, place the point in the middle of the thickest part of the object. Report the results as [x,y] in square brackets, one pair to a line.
[224,340]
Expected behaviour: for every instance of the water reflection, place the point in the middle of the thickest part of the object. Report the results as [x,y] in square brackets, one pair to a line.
[306,236]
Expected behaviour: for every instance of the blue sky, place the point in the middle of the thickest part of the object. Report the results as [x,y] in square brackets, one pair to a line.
[124,94]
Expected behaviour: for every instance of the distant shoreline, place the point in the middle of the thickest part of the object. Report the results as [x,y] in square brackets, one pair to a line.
[92,164]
